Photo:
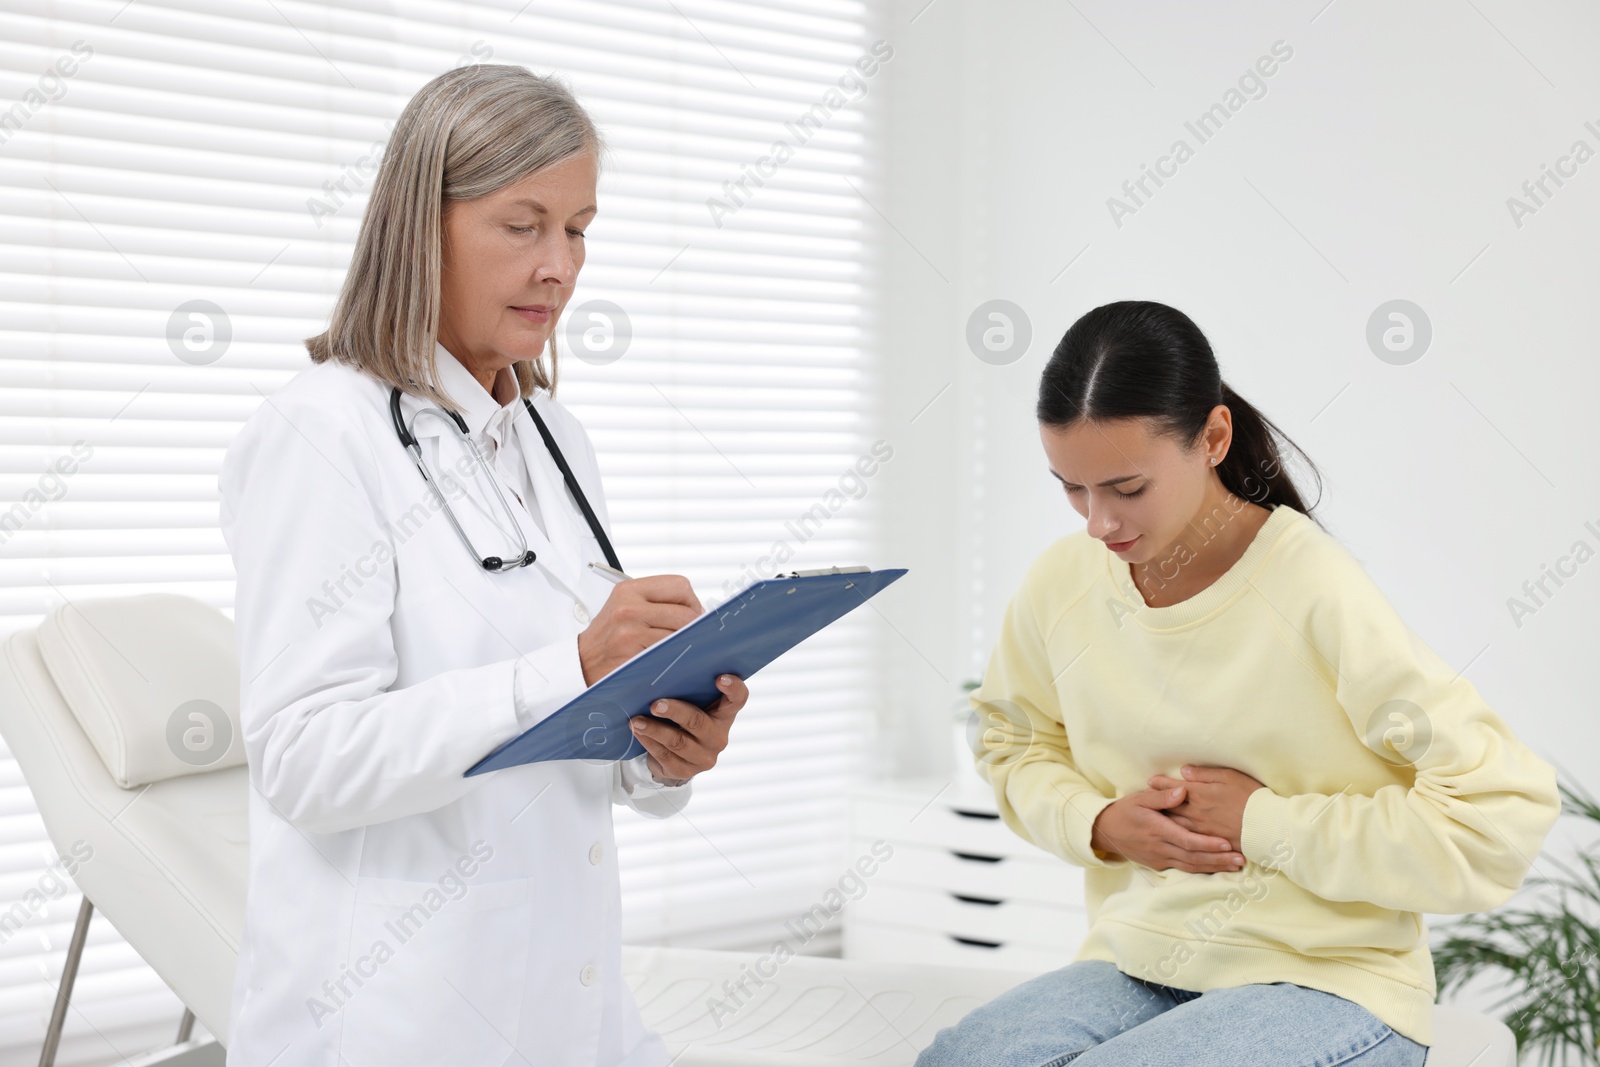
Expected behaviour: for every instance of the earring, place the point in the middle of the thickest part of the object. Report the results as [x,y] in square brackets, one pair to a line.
[1213,461]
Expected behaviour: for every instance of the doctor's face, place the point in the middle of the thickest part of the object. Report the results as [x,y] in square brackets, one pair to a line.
[510,260]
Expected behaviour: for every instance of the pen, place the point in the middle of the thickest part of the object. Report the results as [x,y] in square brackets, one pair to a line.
[610,574]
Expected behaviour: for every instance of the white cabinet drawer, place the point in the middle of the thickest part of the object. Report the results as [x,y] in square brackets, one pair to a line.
[989,873]
[877,943]
[942,824]
[987,919]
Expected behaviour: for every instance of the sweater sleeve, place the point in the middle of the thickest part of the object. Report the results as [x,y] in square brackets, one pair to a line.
[1021,745]
[1462,836]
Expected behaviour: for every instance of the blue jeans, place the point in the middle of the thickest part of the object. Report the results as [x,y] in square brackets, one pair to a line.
[1090,1014]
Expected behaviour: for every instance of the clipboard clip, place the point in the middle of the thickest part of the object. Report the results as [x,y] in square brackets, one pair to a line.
[858,569]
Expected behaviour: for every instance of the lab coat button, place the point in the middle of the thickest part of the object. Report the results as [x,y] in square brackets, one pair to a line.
[580,613]
[595,852]
[586,976]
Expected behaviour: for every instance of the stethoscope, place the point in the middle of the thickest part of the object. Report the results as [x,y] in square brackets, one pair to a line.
[525,554]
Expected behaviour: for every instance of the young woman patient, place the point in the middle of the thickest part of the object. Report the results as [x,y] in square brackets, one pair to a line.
[1203,699]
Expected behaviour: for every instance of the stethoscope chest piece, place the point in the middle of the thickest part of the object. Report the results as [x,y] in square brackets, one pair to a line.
[494,563]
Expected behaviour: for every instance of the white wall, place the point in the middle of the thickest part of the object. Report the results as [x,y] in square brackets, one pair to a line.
[1376,166]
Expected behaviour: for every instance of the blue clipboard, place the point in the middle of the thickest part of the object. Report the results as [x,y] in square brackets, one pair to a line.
[738,637]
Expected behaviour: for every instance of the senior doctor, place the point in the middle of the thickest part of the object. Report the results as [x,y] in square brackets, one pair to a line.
[393,629]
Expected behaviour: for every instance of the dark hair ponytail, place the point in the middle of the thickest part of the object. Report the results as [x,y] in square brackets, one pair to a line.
[1140,359]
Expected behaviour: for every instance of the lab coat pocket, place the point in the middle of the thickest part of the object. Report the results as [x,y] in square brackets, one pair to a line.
[441,970]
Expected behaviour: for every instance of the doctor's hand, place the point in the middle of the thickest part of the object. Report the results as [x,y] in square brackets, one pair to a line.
[1137,827]
[682,740]
[638,613]
[1213,800]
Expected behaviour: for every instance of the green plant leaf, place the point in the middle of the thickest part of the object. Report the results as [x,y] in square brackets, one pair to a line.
[1545,955]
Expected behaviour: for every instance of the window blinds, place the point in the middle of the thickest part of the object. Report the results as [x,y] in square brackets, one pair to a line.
[156,153]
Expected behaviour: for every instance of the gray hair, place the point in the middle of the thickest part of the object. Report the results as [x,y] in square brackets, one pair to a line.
[468,133]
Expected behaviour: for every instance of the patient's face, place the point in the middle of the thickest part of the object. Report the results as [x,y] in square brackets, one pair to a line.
[1159,488]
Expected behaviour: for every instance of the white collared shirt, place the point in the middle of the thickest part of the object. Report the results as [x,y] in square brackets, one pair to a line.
[492,421]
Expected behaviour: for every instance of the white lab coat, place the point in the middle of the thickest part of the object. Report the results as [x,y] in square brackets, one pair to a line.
[397,912]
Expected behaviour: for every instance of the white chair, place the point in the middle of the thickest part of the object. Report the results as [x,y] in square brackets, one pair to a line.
[86,702]
[123,715]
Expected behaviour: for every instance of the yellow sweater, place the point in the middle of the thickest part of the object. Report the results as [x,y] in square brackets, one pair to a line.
[1392,788]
